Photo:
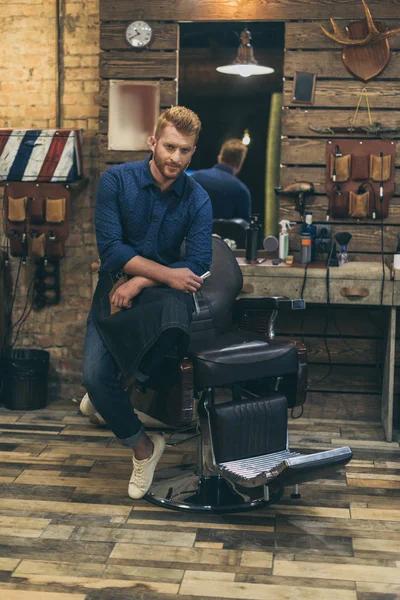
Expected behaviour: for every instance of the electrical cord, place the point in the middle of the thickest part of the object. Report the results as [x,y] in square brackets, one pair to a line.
[328,301]
[362,186]
[303,287]
[298,416]
[10,308]
[20,322]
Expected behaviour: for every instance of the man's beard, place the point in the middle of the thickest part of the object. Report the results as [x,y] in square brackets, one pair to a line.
[161,166]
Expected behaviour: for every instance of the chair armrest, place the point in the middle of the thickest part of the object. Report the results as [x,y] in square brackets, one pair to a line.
[266,303]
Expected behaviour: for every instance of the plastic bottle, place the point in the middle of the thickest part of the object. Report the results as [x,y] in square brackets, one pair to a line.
[284,239]
[308,227]
[305,248]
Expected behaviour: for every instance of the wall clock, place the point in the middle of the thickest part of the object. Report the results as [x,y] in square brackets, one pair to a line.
[139,34]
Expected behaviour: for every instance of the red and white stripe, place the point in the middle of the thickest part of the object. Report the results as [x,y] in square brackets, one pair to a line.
[52,154]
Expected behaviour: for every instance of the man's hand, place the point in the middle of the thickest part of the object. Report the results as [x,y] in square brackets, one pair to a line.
[124,295]
[184,280]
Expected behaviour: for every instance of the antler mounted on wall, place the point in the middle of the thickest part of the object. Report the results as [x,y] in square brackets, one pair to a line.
[366,50]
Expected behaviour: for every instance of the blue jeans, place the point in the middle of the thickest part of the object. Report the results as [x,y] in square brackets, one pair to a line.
[100,378]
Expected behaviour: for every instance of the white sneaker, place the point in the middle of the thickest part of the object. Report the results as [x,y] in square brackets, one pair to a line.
[143,470]
[86,407]
[97,419]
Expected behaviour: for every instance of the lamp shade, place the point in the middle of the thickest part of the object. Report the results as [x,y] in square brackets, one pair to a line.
[245,64]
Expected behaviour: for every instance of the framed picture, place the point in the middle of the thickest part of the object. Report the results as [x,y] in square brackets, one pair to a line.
[303,87]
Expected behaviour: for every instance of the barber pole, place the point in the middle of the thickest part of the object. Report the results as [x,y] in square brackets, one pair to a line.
[52,155]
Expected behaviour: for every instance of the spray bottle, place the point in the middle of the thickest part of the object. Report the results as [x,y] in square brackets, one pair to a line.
[284,239]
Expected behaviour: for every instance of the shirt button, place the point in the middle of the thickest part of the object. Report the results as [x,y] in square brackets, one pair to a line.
[155,219]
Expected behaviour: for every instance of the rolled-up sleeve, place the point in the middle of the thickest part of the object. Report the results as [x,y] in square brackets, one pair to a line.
[198,241]
[113,251]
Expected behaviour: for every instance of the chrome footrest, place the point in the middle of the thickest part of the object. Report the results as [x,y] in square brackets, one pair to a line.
[283,467]
[247,469]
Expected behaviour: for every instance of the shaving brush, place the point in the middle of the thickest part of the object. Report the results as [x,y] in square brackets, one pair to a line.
[343,238]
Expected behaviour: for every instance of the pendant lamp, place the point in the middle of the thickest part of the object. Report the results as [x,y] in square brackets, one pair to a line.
[245,64]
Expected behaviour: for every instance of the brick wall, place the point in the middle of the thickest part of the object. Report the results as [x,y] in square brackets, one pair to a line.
[28,99]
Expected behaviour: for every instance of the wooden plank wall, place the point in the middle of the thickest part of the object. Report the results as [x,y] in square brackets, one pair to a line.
[158,62]
[336,98]
[354,336]
[350,384]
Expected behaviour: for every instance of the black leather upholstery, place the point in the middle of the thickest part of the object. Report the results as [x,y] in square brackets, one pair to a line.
[222,355]
[242,356]
[245,429]
[234,229]
[216,296]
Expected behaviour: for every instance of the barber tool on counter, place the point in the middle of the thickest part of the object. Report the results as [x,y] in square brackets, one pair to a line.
[343,239]
[298,190]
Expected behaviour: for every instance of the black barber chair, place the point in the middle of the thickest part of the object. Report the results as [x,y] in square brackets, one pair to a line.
[233,229]
[244,460]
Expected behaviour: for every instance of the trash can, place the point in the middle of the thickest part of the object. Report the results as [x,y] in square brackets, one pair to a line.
[24,374]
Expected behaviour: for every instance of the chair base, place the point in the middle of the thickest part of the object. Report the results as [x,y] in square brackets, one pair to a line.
[182,488]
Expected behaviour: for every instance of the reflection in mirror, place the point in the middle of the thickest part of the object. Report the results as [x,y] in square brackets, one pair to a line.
[227,104]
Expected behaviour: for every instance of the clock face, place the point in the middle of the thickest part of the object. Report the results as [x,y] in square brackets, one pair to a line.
[138,34]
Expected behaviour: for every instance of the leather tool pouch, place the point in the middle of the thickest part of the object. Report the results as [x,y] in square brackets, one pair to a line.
[360,167]
[36,245]
[55,247]
[248,428]
[114,309]
[339,203]
[16,245]
[17,209]
[340,166]
[372,162]
[39,208]
[359,205]
[380,167]
[55,210]
[36,210]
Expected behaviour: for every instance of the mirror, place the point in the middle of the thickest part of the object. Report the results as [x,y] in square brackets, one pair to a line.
[229,104]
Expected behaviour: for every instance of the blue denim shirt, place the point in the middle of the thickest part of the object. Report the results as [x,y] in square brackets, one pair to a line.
[133,217]
[230,197]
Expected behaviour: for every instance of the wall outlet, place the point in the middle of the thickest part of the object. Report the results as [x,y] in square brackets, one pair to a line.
[323,240]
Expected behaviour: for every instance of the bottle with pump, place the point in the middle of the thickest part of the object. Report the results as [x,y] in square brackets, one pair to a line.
[309,228]
[284,239]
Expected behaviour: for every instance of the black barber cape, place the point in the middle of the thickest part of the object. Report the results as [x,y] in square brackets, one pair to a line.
[130,333]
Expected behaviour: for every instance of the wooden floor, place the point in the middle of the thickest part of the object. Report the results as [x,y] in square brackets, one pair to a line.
[68,529]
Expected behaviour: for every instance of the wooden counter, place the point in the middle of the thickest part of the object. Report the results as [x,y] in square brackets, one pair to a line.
[352,283]
[355,284]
